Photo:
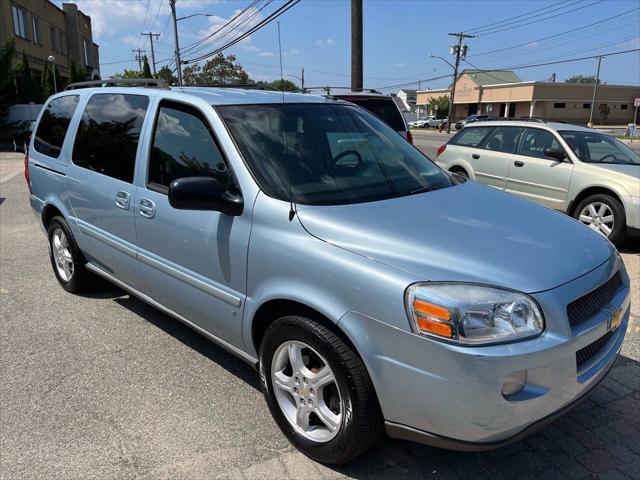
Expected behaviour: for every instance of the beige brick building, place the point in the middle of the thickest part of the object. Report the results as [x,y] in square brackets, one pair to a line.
[42,29]
[501,93]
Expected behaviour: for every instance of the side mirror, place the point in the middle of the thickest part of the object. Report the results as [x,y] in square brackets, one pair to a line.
[555,153]
[205,193]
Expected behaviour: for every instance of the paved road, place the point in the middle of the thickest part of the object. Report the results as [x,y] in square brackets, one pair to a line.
[102,386]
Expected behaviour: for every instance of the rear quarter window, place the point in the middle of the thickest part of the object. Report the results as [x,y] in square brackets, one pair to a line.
[54,124]
[470,136]
[384,108]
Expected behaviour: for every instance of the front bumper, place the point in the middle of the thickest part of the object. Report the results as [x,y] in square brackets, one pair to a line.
[451,396]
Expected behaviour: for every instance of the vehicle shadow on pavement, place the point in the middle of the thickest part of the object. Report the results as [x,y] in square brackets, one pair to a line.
[632,246]
[597,439]
[177,330]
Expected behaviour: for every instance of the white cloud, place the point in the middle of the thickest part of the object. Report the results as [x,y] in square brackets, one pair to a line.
[292,51]
[130,40]
[400,64]
[329,42]
[267,54]
[532,45]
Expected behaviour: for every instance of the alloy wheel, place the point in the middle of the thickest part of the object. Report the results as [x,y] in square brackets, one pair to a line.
[599,217]
[306,391]
[61,254]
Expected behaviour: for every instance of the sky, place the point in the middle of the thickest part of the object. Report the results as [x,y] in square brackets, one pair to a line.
[399,37]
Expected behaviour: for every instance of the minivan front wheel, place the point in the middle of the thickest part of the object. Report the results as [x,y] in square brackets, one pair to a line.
[66,259]
[318,390]
[605,215]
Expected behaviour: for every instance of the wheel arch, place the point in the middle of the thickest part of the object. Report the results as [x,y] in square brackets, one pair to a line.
[276,308]
[49,211]
[592,190]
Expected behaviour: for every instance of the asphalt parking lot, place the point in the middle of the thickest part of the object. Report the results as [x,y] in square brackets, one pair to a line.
[100,385]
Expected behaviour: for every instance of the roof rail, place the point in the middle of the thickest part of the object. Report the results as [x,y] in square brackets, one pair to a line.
[327,90]
[115,82]
[248,86]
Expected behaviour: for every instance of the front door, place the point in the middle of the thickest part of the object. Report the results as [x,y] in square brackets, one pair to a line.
[536,177]
[100,180]
[192,262]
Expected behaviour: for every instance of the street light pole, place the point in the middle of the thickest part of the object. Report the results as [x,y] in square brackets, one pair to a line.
[172,3]
[52,61]
[595,89]
[356,45]
[299,78]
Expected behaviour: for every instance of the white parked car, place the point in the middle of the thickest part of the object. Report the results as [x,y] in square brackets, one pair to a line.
[422,122]
[589,175]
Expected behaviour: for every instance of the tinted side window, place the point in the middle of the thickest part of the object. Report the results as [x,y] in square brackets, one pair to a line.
[535,141]
[385,109]
[107,138]
[184,146]
[470,137]
[503,139]
[54,124]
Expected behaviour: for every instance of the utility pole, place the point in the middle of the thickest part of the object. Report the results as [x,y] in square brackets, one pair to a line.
[153,53]
[172,3]
[138,56]
[457,50]
[356,45]
[302,85]
[595,89]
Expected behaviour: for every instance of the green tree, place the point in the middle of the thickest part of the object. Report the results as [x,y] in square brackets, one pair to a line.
[81,73]
[26,86]
[583,79]
[46,81]
[7,78]
[128,74]
[166,74]
[440,105]
[218,70]
[284,85]
[146,71]
[604,111]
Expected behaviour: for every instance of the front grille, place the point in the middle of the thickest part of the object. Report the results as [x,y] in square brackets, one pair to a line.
[587,306]
[587,353]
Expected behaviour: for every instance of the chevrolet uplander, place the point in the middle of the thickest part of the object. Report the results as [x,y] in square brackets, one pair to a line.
[372,290]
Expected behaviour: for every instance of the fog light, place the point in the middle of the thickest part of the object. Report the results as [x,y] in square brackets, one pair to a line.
[514,383]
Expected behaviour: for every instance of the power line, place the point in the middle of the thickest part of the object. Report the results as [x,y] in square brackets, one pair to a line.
[200,44]
[554,36]
[266,21]
[425,80]
[146,13]
[483,27]
[491,32]
[522,67]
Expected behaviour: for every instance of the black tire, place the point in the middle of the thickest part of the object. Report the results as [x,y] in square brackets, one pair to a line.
[361,424]
[618,234]
[80,277]
[460,171]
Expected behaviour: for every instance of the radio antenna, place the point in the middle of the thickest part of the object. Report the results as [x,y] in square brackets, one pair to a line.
[281,72]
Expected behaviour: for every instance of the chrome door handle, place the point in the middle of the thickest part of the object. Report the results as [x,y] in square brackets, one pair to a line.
[475,155]
[147,208]
[122,199]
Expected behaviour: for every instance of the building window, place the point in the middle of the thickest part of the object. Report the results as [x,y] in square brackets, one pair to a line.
[559,105]
[36,30]
[63,43]
[87,51]
[54,40]
[586,105]
[19,21]
[624,106]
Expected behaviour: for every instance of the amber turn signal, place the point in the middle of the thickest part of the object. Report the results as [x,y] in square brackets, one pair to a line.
[437,328]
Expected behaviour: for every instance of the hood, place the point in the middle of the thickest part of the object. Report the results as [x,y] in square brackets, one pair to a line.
[469,233]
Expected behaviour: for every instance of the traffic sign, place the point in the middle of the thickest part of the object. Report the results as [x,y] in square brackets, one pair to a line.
[636,102]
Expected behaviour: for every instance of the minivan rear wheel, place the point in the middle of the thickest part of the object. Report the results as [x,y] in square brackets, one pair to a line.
[318,390]
[66,258]
[605,215]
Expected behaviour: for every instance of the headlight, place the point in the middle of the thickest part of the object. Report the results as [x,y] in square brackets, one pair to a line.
[472,314]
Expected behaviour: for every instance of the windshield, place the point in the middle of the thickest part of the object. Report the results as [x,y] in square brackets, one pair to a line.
[327,154]
[594,147]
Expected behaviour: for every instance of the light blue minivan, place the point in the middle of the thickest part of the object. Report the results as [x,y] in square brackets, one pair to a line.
[372,290]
